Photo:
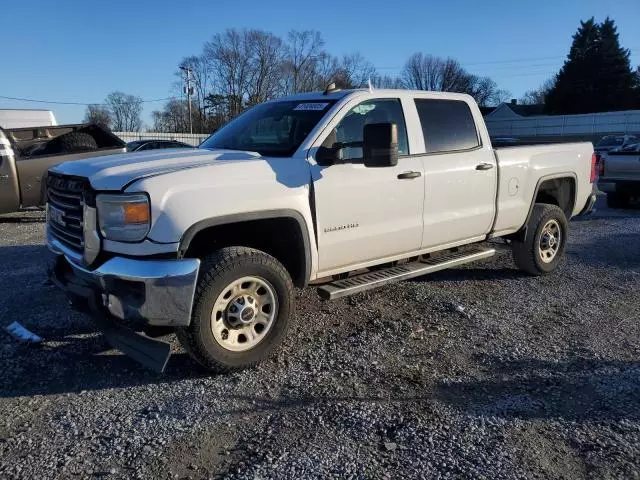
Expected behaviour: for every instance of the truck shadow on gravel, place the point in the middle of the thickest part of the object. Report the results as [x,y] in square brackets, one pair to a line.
[76,365]
[581,390]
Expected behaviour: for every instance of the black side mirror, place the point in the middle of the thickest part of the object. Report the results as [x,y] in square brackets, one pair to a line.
[330,152]
[327,156]
[380,145]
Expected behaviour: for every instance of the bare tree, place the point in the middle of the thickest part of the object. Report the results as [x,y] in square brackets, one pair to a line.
[426,72]
[99,115]
[230,57]
[387,81]
[423,72]
[266,52]
[354,71]
[173,118]
[536,97]
[125,111]
[304,48]
[486,92]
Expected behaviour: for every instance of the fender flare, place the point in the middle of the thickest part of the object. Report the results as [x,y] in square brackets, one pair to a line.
[197,227]
[522,233]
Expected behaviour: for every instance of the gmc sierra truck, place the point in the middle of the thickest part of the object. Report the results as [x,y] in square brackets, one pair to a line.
[343,190]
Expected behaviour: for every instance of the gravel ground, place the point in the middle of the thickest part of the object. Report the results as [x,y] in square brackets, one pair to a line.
[536,378]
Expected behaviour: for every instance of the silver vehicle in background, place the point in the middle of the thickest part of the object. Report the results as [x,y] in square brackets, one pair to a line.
[619,176]
[611,142]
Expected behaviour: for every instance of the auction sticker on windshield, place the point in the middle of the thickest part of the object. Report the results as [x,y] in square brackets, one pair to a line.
[311,106]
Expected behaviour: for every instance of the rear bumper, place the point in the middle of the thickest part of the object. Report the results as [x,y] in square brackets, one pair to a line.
[139,292]
[588,206]
[628,187]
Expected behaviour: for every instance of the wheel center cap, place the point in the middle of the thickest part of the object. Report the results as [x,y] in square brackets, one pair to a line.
[247,314]
[552,240]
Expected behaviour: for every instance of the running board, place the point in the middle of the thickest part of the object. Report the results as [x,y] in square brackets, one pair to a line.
[378,278]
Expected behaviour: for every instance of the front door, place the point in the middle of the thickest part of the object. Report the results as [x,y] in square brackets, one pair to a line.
[365,214]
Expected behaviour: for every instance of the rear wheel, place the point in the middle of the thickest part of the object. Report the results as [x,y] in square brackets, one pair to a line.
[241,309]
[545,241]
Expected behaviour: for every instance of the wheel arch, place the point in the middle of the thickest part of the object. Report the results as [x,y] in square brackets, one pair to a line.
[565,184]
[294,253]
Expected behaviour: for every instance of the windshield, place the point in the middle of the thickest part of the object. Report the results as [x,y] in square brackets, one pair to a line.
[273,129]
[134,144]
[610,142]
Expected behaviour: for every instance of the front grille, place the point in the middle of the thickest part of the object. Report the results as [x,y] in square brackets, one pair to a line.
[66,203]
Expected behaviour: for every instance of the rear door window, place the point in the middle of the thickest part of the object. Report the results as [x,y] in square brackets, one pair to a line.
[447,125]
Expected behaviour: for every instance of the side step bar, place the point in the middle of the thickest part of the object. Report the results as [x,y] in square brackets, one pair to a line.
[378,278]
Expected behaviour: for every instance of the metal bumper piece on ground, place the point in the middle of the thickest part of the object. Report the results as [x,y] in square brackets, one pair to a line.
[134,293]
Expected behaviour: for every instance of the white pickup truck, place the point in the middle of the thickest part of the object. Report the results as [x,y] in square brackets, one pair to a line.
[342,190]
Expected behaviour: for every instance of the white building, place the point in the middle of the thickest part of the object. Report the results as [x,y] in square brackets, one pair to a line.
[513,120]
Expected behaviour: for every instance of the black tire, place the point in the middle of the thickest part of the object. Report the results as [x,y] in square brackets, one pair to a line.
[72,142]
[617,200]
[526,254]
[217,272]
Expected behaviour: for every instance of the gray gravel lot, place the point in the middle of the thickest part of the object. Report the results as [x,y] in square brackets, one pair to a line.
[537,378]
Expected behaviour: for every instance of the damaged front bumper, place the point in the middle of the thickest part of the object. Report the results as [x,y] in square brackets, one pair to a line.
[125,295]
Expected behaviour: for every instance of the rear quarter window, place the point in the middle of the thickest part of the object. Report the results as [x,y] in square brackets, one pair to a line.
[447,125]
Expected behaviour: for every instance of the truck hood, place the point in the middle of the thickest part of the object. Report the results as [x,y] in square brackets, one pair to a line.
[113,172]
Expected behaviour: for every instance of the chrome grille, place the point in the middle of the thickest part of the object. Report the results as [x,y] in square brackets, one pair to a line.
[66,203]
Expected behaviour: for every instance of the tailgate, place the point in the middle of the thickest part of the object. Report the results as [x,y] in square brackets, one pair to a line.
[622,165]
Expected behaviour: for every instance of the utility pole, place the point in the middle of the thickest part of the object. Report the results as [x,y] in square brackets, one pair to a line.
[189,91]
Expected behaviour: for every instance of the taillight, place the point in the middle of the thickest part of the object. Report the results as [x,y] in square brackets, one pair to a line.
[600,166]
[594,161]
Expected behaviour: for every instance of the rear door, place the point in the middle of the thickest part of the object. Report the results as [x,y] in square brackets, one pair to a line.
[460,173]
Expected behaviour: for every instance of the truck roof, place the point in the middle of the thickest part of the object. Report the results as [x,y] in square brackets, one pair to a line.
[339,94]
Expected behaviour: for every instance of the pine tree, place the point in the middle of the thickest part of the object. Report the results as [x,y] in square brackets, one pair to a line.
[596,76]
[615,79]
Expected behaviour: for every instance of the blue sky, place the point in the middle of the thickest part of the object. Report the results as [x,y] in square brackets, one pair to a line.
[80,51]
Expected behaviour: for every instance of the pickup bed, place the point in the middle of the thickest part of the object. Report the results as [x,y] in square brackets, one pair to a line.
[340,190]
[619,176]
[27,153]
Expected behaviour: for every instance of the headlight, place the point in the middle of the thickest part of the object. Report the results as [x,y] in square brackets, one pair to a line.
[124,218]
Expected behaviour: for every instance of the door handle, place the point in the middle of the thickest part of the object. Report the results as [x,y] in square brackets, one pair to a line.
[408,175]
[484,166]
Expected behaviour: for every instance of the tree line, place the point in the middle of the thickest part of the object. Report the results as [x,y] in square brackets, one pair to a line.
[237,69]
[241,68]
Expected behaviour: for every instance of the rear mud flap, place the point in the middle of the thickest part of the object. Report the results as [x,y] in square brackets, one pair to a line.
[151,353]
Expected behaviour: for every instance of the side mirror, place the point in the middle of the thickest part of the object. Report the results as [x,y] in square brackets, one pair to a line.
[380,145]
[330,152]
[327,156]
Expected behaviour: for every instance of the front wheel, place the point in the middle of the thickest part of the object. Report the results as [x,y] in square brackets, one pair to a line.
[545,241]
[241,311]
